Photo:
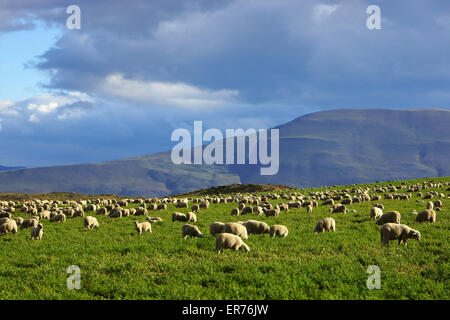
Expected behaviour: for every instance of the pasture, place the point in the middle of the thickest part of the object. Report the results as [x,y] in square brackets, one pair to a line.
[116,263]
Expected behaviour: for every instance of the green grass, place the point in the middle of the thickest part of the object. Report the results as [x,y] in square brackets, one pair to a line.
[116,263]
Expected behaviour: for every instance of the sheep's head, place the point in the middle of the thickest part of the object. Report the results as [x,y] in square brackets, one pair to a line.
[414,234]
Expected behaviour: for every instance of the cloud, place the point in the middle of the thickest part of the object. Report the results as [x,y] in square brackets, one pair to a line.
[322,11]
[165,94]
[7,107]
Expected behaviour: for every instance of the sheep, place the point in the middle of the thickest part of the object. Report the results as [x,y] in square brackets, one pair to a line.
[379,205]
[430,205]
[326,224]
[272,213]
[328,202]
[162,206]
[258,210]
[31,222]
[195,208]
[102,211]
[4,220]
[392,231]
[37,232]
[426,215]
[235,212]
[152,206]
[278,230]
[90,222]
[229,241]
[216,227]
[8,226]
[247,210]
[438,204]
[61,217]
[236,228]
[18,220]
[391,216]
[78,213]
[179,217]
[142,227]
[309,209]
[154,219]
[191,217]
[256,227]
[338,208]
[44,215]
[5,215]
[191,231]
[140,211]
[115,213]
[375,213]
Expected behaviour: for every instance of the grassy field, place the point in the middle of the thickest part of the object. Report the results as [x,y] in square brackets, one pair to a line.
[116,263]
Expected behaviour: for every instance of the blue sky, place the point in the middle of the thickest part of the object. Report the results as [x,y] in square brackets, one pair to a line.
[118,87]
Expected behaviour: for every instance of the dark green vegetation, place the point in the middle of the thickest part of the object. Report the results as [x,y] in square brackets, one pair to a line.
[116,263]
[325,148]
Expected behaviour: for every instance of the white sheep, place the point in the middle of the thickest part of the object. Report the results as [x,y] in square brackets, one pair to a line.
[326,224]
[229,241]
[191,231]
[90,222]
[191,217]
[392,231]
[389,217]
[8,226]
[256,227]
[375,213]
[278,230]
[177,216]
[216,227]
[37,232]
[143,227]
[426,215]
[236,228]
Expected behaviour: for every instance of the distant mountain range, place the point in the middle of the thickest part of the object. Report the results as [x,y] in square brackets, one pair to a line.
[325,148]
[3,168]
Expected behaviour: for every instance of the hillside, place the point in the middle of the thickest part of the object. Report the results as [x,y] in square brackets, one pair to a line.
[325,148]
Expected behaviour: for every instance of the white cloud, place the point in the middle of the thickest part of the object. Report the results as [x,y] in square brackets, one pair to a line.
[33,118]
[7,107]
[323,11]
[166,94]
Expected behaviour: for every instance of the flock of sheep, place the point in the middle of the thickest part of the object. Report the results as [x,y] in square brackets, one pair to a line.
[230,235]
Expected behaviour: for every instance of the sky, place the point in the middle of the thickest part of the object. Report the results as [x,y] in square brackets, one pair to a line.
[136,71]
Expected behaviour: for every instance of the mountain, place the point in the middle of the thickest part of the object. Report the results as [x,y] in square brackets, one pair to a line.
[323,148]
[3,168]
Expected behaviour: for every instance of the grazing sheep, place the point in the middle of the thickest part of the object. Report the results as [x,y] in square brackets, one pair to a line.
[37,232]
[258,210]
[195,208]
[102,211]
[177,216]
[241,206]
[339,208]
[272,213]
[154,219]
[375,213]
[115,213]
[44,215]
[326,224]
[235,211]
[216,227]
[247,210]
[430,205]
[309,209]
[5,215]
[392,231]
[391,216]
[90,222]
[8,226]
[61,217]
[4,220]
[256,227]
[18,220]
[162,206]
[379,205]
[191,231]
[236,228]
[328,202]
[426,215]
[143,227]
[438,204]
[191,217]
[78,213]
[140,211]
[230,241]
[31,222]
[278,230]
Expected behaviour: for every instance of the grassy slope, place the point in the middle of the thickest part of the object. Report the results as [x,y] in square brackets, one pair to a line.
[118,264]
